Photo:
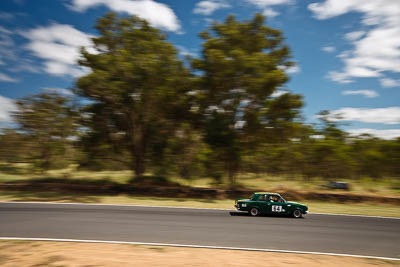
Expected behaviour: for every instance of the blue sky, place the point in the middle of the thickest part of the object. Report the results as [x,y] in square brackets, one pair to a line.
[347,52]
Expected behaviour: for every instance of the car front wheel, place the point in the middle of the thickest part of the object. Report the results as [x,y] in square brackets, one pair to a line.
[297,213]
[254,212]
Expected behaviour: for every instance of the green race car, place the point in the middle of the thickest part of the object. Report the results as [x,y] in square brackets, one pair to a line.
[270,204]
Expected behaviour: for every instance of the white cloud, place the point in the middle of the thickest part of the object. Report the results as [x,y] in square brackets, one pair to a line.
[328,49]
[6,78]
[293,69]
[375,51]
[290,70]
[4,30]
[373,10]
[58,45]
[7,45]
[389,115]
[10,56]
[24,64]
[387,82]
[157,14]
[278,93]
[61,91]
[338,77]
[184,51]
[366,93]
[270,13]
[265,3]
[266,6]
[7,106]
[344,54]
[352,36]
[384,134]
[208,7]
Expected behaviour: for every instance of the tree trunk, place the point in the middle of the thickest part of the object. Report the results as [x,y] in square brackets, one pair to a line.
[138,150]
[233,167]
[139,165]
[45,164]
[231,174]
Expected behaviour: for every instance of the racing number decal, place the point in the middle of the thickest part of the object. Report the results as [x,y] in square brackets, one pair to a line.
[276,208]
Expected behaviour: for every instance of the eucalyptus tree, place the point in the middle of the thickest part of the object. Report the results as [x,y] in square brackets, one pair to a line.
[136,86]
[241,68]
[46,128]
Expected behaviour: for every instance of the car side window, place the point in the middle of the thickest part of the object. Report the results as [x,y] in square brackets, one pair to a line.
[261,198]
[273,198]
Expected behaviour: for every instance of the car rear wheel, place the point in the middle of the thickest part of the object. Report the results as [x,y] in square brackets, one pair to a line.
[297,213]
[254,212]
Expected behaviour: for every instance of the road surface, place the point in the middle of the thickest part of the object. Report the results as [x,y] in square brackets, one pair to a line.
[367,236]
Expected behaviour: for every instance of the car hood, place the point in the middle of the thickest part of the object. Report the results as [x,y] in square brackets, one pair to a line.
[295,203]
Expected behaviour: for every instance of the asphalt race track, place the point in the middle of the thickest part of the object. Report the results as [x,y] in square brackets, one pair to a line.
[369,236]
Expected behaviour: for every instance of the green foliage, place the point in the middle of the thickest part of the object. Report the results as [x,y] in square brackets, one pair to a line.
[241,65]
[145,111]
[11,148]
[138,88]
[46,128]
[376,158]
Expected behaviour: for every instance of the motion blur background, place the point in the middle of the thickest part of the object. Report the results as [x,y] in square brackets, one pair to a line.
[253,94]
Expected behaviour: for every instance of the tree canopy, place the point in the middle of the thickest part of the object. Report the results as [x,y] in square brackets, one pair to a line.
[47,124]
[140,106]
[242,64]
[137,85]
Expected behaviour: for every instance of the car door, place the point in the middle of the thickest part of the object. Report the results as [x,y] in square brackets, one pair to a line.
[277,206]
[268,205]
[262,204]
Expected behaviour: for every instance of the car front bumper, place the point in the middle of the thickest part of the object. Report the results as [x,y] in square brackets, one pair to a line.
[239,208]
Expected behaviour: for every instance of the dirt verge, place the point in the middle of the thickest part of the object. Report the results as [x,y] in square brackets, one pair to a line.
[23,253]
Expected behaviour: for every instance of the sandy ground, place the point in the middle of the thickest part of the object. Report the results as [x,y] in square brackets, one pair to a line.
[26,253]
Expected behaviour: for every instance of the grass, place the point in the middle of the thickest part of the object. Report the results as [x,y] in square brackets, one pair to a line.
[314,206]
[364,186]
[20,172]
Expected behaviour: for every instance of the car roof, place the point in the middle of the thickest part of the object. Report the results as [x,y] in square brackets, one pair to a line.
[267,193]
